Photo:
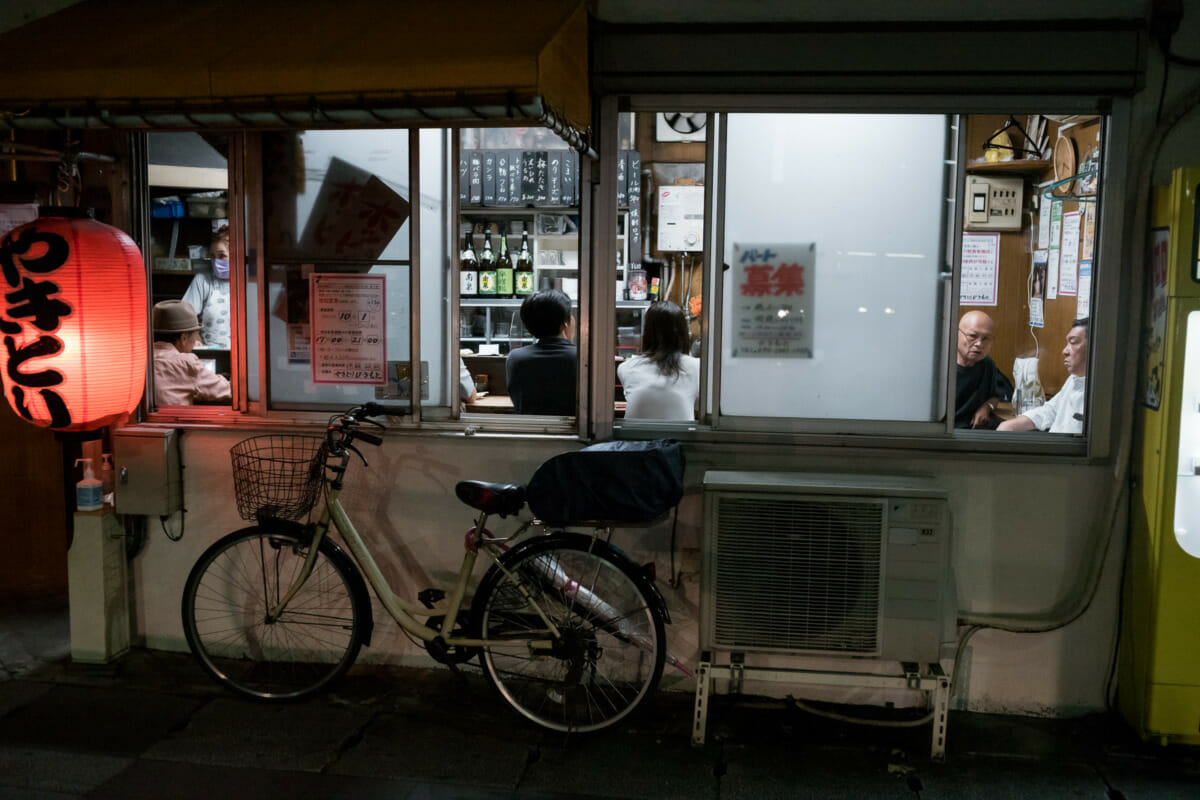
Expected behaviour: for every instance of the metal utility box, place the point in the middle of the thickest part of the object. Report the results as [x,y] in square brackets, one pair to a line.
[148,477]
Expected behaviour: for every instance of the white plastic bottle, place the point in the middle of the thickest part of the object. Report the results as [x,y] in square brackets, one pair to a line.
[88,492]
[107,480]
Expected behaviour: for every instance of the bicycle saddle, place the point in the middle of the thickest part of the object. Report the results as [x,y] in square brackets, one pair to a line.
[492,498]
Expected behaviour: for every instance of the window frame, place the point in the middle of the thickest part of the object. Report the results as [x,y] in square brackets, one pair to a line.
[937,436]
[596,323]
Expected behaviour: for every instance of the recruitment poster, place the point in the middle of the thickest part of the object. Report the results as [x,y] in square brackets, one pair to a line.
[773,300]
[347,335]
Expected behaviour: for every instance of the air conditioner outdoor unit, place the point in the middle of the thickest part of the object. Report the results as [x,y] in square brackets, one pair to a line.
[826,564]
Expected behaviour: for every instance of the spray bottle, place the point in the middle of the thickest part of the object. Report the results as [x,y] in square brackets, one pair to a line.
[107,481]
[88,491]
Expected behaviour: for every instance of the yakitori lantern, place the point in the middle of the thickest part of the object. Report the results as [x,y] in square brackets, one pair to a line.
[73,321]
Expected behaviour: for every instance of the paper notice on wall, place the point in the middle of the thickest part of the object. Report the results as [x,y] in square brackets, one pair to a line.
[1044,225]
[1068,264]
[980,276]
[14,215]
[1083,302]
[1056,217]
[1037,317]
[1087,237]
[347,331]
[773,300]
[1052,273]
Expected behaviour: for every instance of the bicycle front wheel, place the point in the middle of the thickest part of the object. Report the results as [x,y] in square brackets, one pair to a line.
[226,615]
[609,653]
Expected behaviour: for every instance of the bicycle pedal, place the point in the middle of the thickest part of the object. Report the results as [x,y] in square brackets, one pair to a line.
[430,597]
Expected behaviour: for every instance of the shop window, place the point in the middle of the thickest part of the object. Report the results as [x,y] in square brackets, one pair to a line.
[189,255]
[517,233]
[337,215]
[1030,196]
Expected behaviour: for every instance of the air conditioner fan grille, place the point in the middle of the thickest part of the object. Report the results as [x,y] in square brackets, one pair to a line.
[797,574]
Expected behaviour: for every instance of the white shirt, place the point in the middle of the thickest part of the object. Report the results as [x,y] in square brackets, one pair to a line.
[651,395]
[209,296]
[1063,413]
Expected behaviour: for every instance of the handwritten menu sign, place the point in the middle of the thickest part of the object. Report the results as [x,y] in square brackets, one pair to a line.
[773,300]
[347,335]
[980,273]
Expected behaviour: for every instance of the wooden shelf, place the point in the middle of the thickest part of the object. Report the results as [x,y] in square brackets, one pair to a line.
[1020,166]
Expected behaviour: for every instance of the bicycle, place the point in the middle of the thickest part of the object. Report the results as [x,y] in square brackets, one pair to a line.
[567,628]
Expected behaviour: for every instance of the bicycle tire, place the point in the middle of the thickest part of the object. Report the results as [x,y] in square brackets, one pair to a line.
[611,653]
[309,646]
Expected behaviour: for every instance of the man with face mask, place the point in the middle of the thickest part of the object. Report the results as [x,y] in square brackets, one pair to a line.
[209,294]
[980,384]
[1064,412]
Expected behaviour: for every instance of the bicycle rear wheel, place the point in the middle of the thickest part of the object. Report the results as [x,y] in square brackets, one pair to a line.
[310,644]
[609,656]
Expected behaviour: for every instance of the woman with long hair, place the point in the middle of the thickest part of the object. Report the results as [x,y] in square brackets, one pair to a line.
[663,381]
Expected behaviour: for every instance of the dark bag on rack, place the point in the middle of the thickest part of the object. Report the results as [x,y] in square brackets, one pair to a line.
[613,481]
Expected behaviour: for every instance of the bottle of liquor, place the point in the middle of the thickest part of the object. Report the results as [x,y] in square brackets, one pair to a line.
[468,275]
[487,267]
[504,269]
[523,274]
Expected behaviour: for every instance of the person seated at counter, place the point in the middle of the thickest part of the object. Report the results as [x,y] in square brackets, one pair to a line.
[541,376]
[180,379]
[1062,413]
[466,383]
[980,384]
[663,381]
[208,294]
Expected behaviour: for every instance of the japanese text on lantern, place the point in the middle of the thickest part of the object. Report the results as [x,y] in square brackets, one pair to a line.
[32,313]
[773,300]
[347,335]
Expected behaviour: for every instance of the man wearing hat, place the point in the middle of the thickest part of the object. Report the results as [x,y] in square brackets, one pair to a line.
[180,379]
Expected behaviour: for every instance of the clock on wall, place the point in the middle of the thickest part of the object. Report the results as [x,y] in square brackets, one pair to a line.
[1064,163]
[679,126]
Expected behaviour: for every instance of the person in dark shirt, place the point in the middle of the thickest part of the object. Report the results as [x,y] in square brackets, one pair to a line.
[542,376]
[980,384]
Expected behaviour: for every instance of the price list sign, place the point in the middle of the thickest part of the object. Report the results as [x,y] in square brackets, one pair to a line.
[347,336]
[773,300]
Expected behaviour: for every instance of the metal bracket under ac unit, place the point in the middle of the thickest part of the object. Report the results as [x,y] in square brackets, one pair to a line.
[931,679]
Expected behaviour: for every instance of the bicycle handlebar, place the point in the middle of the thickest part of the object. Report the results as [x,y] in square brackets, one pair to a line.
[379,409]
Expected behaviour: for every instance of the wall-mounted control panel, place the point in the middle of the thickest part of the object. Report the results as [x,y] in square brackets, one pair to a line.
[993,204]
[148,476]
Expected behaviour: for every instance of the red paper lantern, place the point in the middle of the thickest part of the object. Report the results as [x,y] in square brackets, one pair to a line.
[73,322]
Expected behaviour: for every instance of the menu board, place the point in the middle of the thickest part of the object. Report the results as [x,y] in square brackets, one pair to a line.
[347,331]
[773,300]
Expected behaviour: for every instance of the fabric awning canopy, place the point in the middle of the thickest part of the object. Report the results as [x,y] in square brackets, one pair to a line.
[300,63]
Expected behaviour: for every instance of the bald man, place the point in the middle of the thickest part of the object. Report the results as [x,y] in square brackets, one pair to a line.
[980,384]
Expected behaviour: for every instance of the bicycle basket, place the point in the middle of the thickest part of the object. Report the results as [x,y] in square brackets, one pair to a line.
[277,476]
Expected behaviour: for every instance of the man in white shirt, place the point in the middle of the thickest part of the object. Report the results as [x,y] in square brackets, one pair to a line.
[1064,412]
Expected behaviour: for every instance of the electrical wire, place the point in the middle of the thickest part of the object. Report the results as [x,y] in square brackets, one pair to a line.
[878,723]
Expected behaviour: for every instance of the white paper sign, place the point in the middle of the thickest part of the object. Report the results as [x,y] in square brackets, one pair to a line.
[347,332]
[773,300]
[1068,264]
[1083,302]
[980,269]
[14,215]
[1036,317]
[1044,225]
[1052,273]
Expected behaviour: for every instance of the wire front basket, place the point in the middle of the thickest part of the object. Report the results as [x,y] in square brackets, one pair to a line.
[278,476]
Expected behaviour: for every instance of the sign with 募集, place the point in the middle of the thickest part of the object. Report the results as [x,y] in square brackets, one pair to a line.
[772,289]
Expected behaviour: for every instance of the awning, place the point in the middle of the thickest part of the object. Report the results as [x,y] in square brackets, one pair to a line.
[171,64]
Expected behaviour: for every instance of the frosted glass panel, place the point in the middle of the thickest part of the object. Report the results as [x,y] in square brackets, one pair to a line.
[857,201]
